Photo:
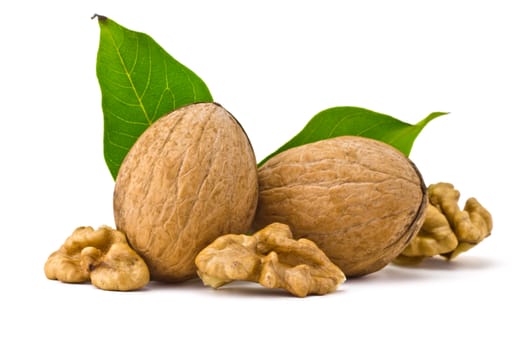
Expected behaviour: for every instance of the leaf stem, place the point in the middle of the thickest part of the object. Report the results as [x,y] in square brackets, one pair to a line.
[100,17]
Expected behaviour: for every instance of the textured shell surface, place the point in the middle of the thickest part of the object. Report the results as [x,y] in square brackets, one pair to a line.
[189,178]
[359,199]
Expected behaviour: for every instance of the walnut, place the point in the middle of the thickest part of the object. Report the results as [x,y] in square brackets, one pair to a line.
[101,256]
[272,258]
[447,231]
[189,178]
[360,200]
[435,237]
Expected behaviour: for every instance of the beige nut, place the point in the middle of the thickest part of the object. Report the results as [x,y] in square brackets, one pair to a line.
[189,178]
[448,231]
[435,237]
[101,256]
[360,200]
[272,258]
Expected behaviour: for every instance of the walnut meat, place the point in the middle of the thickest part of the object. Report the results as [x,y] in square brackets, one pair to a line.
[189,178]
[272,258]
[101,256]
[360,200]
[447,231]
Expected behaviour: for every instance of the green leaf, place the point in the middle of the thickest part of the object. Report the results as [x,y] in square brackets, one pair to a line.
[140,82]
[340,121]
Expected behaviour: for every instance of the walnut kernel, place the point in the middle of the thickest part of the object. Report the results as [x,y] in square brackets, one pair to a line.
[101,256]
[272,258]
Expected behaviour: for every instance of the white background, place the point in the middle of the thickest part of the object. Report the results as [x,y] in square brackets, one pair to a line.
[273,64]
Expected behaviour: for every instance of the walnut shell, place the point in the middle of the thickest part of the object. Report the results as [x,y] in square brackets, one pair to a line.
[359,200]
[189,178]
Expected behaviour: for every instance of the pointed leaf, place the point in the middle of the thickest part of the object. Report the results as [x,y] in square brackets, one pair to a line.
[140,82]
[340,121]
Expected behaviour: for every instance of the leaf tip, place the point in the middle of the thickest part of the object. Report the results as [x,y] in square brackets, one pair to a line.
[431,117]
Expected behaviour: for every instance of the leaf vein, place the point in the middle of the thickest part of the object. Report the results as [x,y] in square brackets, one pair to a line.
[128,75]
[127,121]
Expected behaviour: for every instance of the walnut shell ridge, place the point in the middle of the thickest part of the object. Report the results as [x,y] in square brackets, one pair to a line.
[360,200]
[188,179]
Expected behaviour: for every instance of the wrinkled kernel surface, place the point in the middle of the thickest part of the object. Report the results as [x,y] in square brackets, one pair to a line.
[272,258]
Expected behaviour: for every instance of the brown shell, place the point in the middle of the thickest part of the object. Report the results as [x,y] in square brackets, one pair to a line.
[189,178]
[358,199]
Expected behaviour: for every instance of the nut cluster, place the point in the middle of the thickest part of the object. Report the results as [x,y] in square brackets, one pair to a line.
[189,190]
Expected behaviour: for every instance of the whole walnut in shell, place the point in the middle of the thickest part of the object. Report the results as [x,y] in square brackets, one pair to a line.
[360,200]
[189,178]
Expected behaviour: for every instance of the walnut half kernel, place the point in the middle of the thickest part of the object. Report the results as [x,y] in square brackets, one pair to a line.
[101,256]
[447,230]
[272,258]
